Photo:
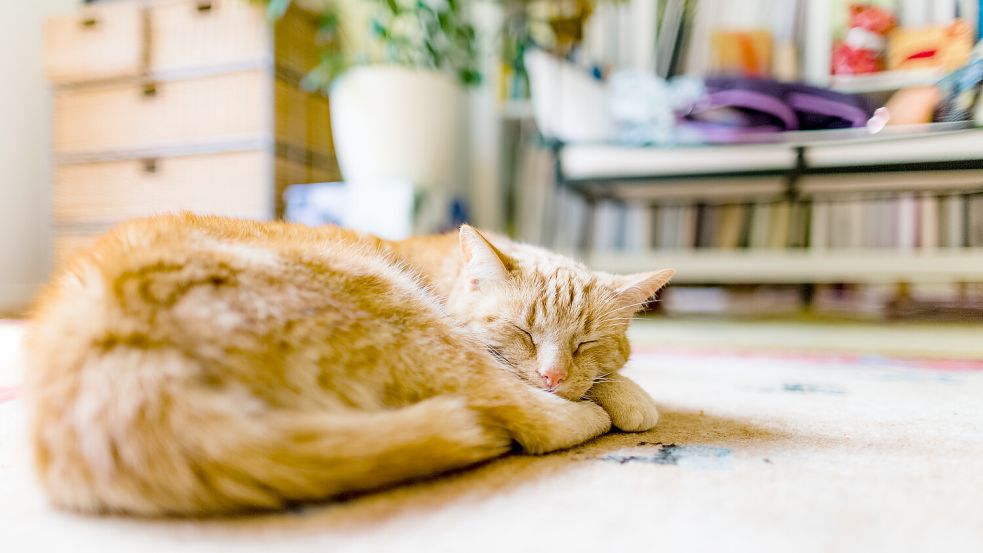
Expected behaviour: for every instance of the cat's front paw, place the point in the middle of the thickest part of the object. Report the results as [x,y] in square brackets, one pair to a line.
[634,417]
[631,408]
[567,424]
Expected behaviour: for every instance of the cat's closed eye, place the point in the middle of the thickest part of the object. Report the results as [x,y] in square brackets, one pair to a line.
[526,335]
[584,345]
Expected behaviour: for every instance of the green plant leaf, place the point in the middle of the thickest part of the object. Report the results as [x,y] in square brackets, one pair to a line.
[434,34]
[379,29]
[469,76]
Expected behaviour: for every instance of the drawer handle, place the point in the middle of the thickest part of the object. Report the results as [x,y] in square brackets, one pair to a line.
[149,165]
[204,6]
[88,22]
[149,90]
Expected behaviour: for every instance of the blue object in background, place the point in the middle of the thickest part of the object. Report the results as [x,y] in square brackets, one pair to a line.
[316,204]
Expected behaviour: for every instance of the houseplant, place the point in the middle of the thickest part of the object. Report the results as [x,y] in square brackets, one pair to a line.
[395,71]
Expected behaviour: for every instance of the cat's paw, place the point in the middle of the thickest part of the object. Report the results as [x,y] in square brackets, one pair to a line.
[637,416]
[596,420]
[631,408]
[575,423]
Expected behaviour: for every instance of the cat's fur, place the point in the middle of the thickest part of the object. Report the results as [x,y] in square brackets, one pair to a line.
[547,316]
[200,365]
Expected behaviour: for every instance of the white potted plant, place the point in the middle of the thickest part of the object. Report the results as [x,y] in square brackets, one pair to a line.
[395,71]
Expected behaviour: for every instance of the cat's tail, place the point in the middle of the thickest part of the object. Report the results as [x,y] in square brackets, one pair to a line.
[291,457]
[218,459]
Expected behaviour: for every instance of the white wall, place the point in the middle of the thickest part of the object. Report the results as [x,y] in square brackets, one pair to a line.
[25,161]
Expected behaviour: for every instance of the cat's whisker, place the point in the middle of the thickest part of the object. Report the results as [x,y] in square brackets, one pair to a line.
[609,316]
[608,304]
[623,307]
[610,323]
[618,319]
[603,378]
[646,302]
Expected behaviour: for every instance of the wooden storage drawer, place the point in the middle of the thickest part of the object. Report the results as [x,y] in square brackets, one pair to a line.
[98,42]
[172,37]
[189,34]
[91,198]
[234,184]
[128,116]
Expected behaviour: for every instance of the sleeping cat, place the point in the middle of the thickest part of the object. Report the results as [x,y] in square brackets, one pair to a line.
[202,365]
[552,321]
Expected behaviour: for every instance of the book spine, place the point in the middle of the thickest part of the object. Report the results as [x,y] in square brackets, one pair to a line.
[907,215]
[818,41]
[644,15]
[955,221]
[929,223]
[819,227]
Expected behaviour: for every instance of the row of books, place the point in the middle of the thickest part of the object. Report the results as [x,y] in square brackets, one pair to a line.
[937,301]
[763,37]
[902,221]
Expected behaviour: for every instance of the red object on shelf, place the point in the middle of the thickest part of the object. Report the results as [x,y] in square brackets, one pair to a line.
[862,49]
[848,60]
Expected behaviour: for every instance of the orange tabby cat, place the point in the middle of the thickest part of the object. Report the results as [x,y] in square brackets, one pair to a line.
[552,321]
[203,365]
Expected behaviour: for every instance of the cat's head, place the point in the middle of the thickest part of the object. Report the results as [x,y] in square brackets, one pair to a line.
[555,323]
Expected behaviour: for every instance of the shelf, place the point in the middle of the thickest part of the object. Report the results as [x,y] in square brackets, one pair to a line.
[607,161]
[885,81]
[823,150]
[800,266]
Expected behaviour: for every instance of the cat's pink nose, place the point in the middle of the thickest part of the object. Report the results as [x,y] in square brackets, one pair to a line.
[553,377]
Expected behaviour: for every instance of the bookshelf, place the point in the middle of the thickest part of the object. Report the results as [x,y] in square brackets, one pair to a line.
[904,204]
[583,164]
[801,266]
[933,162]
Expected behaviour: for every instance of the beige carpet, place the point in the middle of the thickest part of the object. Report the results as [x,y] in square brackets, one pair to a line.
[758,450]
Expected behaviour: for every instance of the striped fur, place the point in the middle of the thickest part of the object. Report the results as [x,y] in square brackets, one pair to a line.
[202,365]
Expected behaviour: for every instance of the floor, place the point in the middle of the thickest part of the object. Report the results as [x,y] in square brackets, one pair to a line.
[774,437]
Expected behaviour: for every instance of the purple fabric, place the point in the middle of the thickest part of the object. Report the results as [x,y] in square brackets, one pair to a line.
[768,106]
[755,101]
[851,115]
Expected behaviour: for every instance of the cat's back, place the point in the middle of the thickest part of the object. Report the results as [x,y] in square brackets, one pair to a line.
[204,284]
[134,261]
[203,364]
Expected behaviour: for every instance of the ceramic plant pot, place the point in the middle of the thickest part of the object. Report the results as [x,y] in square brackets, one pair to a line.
[395,123]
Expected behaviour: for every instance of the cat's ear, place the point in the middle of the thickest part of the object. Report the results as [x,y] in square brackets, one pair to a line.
[635,290]
[484,263]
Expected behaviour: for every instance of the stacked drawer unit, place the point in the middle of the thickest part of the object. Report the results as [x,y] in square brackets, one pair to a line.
[171,105]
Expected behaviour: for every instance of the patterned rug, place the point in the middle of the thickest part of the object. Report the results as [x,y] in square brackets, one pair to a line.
[757,450]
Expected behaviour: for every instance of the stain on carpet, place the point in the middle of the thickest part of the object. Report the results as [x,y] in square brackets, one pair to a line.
[800,387]
[657,453]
